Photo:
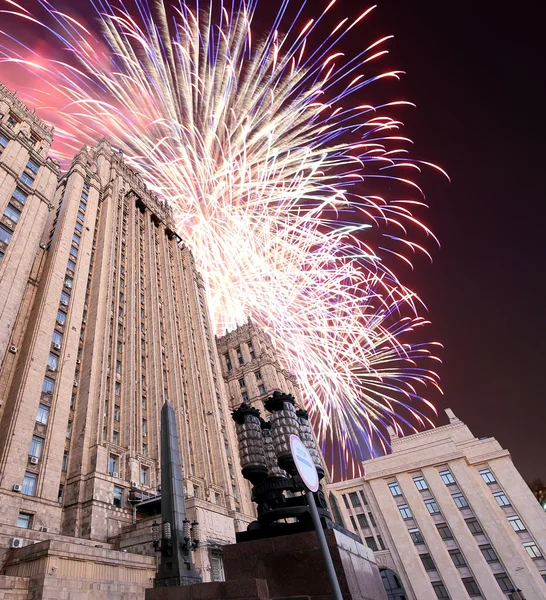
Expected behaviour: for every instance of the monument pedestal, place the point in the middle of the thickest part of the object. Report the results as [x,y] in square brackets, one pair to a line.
[287,567]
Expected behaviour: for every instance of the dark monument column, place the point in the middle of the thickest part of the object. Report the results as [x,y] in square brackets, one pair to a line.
[176,567]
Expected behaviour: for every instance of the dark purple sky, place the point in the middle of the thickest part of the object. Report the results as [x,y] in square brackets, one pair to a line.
[475,73]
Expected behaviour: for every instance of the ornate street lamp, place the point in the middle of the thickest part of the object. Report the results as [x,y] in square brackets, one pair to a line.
[267,462]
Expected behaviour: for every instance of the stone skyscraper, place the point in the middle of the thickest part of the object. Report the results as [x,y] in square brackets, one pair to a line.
[251,369]
[103,316]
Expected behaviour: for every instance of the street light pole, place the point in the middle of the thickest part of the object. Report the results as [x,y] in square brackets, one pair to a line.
[323,546]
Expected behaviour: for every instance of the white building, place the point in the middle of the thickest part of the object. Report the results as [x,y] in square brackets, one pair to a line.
[449,516]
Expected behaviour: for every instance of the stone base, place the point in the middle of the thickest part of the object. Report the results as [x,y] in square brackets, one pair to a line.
[285,567]
[54,570]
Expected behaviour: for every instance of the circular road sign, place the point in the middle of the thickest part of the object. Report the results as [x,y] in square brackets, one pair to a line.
[304,463]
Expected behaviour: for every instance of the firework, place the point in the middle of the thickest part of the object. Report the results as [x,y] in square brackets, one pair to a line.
[272,165]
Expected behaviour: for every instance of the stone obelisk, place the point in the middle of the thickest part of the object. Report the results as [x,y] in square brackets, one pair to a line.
[176,567]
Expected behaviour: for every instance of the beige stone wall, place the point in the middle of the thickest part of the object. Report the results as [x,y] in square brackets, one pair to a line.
[427,454]
[136,330]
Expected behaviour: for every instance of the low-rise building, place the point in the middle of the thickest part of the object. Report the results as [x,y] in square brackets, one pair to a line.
[448,516]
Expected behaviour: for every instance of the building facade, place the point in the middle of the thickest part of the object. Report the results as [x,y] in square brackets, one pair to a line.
[448,516]
[103,317]
[251,369]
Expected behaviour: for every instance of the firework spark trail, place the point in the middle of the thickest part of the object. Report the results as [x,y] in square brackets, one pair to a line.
[266,163]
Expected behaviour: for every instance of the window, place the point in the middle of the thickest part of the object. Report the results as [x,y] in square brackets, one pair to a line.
[362,521]
[69,430]
[65,298]
[27,179]
[261,388]
[33,166]
[427,561]
[460,500]
[364,501]
[228,362]
[355,500]
[65,461]
[432,506]
[440,590]
[12,213]
[20,196]
[381,544]
[76,238]
[117,388]
[444,531]
[112,464]
[81,216]
[68,282]
[251,351]
[57,337]
[47,386]
[119,346]
[501,499]
[3,141]
[487,476]
[420,483]
[504,582]
[405,511]
[24,520]
[115,437]
[78,226]
[244,396]
[457,558]
[71,266]
[371,543]
[471,586]
[2,254]
[144,449]
[5,234]
[61,317]
[353,522]
[372,520]
[239,355]
[474,526]
[242,382]
[346,501]
[258,375]
[395,489]
[29,484]
[118,496]
[82,206]
[488,553]
[517,523]
[43,414]
[447,477]
[144,427]
[532,550]
[145,475]
[416,536]
[195,491]
[36,446]
[116,412]
[118,367]
[217,566]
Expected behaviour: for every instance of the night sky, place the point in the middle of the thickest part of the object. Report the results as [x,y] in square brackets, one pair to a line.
[474,71]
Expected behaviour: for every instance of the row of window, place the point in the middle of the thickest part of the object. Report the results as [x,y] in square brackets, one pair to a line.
[239,356]
[13,213]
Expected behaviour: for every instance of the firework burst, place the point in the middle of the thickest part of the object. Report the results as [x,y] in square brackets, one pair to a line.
[272,168]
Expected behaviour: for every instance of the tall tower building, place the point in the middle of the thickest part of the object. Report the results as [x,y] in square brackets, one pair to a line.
[103,317]
[251,369]
[27,186]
